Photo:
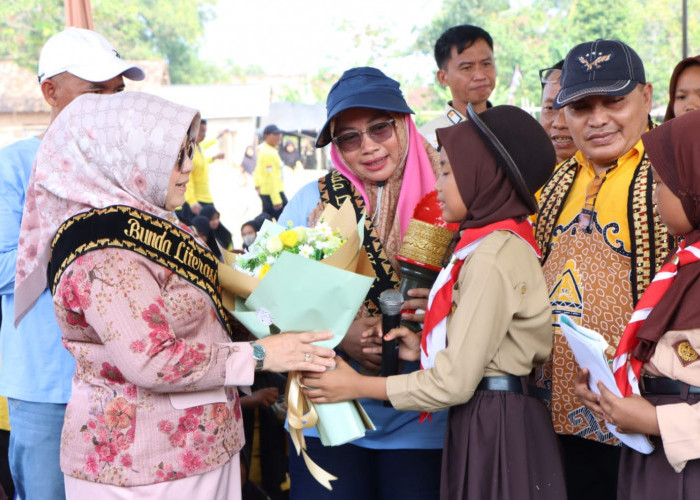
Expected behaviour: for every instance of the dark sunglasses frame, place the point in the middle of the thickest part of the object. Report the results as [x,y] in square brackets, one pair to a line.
[187,149]
[347,139]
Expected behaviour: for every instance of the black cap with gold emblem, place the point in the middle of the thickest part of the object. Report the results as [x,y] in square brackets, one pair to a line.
[602,67]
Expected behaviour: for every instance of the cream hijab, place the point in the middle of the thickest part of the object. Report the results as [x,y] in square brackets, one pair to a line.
[101,150]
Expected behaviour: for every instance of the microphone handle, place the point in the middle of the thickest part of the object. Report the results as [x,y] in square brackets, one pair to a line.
[390,348]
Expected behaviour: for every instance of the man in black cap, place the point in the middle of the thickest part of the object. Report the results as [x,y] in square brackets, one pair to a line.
[464,56]
[601,241]
[268,173]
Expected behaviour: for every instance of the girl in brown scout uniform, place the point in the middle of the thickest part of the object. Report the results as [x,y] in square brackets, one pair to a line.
[488,321]
[662,340]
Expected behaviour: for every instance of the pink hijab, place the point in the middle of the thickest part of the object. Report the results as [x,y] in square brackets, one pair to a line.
[418,176]
[101,150]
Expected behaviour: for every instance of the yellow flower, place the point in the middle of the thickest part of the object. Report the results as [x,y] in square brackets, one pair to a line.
[289,237]
[263,270]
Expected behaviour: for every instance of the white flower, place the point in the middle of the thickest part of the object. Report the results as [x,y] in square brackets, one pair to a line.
[270,260]
[334,242]
[301,234]
[274,244]
[324,230]
[306,251]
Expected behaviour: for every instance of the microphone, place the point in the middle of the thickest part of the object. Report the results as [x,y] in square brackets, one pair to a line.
[391,303]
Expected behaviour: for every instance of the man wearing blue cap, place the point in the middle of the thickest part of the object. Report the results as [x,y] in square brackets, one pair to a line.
[600,238]
[36,369]
[268,173]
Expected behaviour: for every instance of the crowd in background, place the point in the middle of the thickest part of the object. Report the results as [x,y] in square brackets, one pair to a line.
[126,378]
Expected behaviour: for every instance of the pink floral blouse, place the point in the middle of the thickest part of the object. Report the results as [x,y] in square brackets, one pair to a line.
[148,402]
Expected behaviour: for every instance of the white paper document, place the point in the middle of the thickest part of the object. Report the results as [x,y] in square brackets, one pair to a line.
[589,350]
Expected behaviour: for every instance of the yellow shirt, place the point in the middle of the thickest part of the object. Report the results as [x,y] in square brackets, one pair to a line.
[611,202]
[268,173]
[4,415]
[588,275]
[198,186]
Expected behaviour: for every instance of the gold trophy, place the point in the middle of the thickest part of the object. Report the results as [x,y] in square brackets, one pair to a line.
[423,247]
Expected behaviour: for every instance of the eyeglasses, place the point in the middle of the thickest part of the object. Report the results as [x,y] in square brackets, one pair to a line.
[187,149]
[549,75]
[352,140]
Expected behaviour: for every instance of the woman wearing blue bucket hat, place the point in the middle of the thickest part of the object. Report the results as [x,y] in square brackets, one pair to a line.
[385,167]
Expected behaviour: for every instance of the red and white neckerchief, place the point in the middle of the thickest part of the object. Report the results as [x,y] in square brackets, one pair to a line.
[434,337]
[627,376]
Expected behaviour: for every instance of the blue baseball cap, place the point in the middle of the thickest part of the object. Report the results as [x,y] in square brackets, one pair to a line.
[362,87]
[602,67]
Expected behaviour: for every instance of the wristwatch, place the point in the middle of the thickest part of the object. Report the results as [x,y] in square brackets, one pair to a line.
[258,355]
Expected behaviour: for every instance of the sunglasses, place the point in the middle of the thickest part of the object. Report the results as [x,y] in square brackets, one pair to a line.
[352,140]
[188,150]
[549,75]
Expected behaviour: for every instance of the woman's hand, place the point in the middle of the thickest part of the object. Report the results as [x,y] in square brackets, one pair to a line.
[589,398]
[419,302]
[409,342]
[339,384]
[353,344]
[630,414]
[286,352]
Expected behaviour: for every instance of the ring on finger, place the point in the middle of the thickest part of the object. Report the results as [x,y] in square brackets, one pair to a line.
[307,356]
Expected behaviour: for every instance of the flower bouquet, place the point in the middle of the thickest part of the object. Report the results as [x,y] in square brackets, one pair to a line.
[305,279]
[316,243]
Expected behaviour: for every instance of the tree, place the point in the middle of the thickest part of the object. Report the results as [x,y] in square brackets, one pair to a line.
[141,29]
[466,12]
[538,33]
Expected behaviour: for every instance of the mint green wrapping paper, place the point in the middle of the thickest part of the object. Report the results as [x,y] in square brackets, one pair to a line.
[297,295]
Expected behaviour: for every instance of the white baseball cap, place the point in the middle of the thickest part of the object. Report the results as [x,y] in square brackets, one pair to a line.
[85,54]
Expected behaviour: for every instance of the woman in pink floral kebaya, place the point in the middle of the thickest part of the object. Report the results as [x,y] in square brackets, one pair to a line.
[154,411]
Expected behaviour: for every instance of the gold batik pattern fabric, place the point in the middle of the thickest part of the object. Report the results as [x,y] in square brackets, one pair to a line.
[588,282]
[595,273]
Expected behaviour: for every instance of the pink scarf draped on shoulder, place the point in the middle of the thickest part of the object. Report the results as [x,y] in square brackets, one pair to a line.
[101,150]
[418,175]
